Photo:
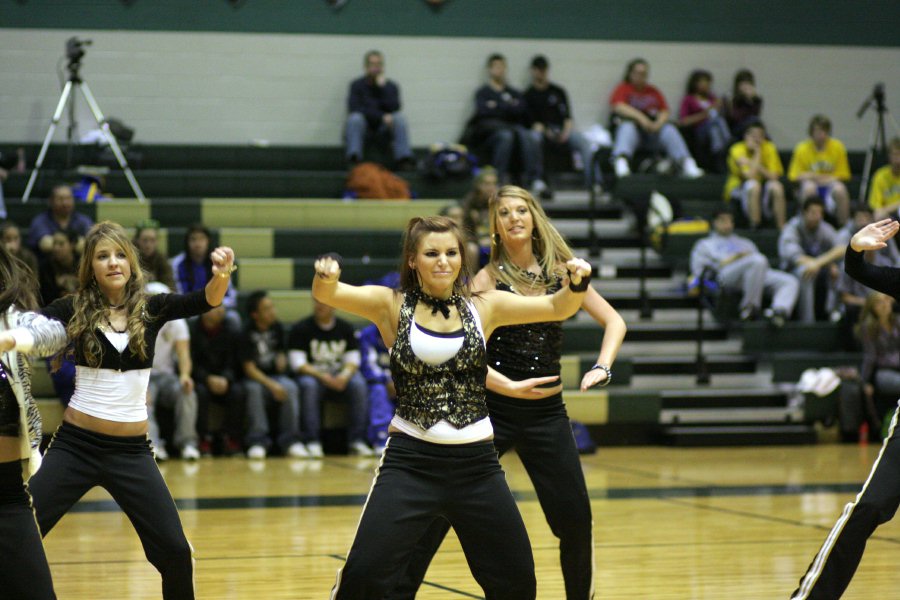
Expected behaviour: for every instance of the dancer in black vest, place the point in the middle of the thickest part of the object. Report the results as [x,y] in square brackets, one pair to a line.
[24,573]
[833,567]
[524,393]
[440,460]
[112,326]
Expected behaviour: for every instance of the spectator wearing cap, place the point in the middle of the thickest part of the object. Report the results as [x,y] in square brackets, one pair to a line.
[552,125]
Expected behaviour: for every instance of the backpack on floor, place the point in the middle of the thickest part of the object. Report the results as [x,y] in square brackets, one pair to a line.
[371,181]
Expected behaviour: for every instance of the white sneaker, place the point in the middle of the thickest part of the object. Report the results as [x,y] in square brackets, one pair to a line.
[190,452]
[621,166]
[256,452]
[690,169]
[297,450]
[360,448]
[159,453]
[315,450]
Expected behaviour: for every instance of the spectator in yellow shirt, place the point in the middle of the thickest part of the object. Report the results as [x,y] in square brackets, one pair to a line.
[819,167]
[884,191]
[754,169]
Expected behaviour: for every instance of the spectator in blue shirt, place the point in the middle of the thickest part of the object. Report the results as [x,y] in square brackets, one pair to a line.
[60,215]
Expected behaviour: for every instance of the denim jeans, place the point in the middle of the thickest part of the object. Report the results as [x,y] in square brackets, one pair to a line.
[314,393]
[357,127]
[630,137]
[259,399]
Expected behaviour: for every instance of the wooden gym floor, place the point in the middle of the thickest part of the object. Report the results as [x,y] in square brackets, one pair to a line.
[670,523]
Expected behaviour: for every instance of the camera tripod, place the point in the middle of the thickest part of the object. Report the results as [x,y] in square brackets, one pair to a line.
[76,82]
[878,139]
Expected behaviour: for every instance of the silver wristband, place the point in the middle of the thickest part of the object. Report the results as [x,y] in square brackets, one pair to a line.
[608,374]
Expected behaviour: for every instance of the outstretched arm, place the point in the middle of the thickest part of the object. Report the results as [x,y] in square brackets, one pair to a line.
[873,237]
[501,308]
[373,302]
[36,335]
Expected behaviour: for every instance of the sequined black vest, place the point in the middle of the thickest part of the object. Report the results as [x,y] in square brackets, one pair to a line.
[525,351]
[454,390]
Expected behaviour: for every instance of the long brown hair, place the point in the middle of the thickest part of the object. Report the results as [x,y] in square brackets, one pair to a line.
[91,305]
[549,247]
[416,229]
[18,285]
[869,322]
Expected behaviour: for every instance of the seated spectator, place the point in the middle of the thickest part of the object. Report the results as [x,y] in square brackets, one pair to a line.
[375,368]
[170,390]
[324,355]
[373,106]
[58,271]
[808,248]
[214,350]
[552,125]
[744,105]
[153,260]
[738,265]
[754,169]
[819,167]
[59,215]
[884,190]
[192,268]
[267,383]
[701,111]
[643,116]
[12,240]
[879,331]
[499,127]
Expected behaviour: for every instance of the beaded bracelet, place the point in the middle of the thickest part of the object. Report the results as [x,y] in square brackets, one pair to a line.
[608,374]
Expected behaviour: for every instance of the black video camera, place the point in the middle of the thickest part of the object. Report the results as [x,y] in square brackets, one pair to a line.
[75,49]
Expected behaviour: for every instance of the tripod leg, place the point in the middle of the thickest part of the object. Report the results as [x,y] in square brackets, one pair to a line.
[57,115]
[104,127]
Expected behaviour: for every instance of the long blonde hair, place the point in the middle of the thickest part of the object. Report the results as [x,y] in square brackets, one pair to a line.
[869,324]
[91,305]
[549,247]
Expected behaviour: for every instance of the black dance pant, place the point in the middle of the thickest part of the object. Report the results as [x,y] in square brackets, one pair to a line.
[24,573]
[417,482]
[78,459]
[540,432]
[833,567]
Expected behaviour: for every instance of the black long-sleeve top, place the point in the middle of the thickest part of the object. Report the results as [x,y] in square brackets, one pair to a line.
[883,279]
[160,309]
[213,352]
[507,105]
[373,100]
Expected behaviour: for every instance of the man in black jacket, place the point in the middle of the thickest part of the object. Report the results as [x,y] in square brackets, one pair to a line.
[214,344]
[374,106]
[499,124]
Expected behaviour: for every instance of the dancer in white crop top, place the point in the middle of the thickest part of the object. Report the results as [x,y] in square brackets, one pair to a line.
[420,479]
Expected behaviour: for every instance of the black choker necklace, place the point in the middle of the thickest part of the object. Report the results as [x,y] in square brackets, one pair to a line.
[437,304]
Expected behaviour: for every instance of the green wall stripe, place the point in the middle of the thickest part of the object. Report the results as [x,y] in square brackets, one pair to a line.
[825,22]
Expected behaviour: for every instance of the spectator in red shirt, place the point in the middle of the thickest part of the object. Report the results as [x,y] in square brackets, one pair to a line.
[701,111]
[644,122]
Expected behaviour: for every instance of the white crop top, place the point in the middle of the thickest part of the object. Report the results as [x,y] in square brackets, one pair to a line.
[119,396]
[436,348]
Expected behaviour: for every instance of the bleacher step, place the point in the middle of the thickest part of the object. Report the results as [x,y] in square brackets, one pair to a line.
[739,435]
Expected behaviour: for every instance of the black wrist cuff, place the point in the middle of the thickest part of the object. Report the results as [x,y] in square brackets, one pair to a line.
[582,286]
